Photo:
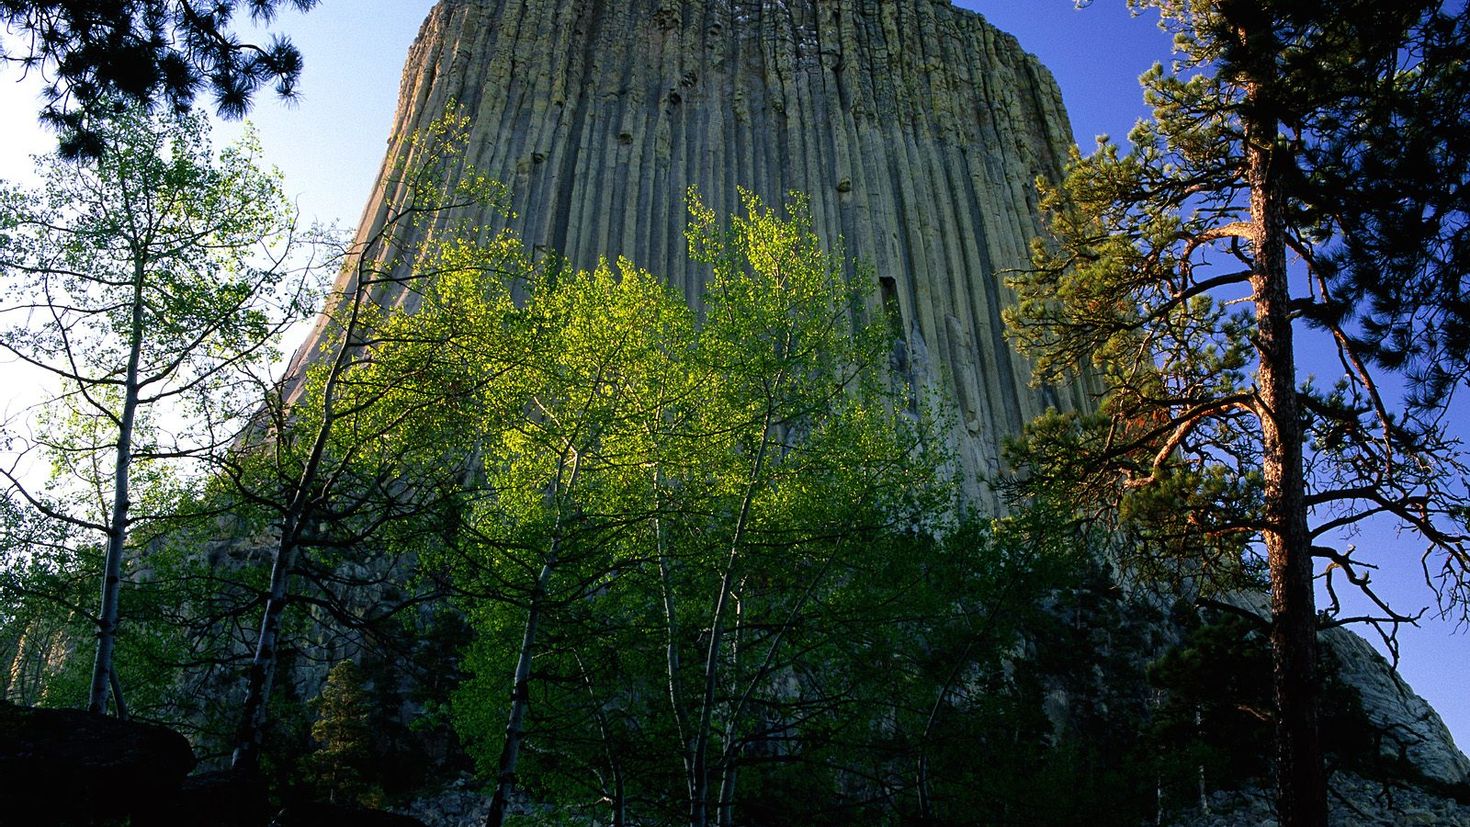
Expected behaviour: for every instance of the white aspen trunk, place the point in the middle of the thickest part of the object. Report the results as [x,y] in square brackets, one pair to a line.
[520,697]
[699,799]
[262,674]
[520,700]
[671,644]
[727,793]
[618,803]
[103,678]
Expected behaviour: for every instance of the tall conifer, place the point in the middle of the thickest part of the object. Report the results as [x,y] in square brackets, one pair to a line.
[1304,173]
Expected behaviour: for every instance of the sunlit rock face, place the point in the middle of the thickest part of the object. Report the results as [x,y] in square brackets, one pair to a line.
[917,129]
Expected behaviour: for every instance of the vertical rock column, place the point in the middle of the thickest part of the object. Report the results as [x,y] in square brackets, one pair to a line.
[916,128]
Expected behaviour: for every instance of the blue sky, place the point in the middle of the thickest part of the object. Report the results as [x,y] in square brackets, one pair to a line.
[331,144]
[1097,54]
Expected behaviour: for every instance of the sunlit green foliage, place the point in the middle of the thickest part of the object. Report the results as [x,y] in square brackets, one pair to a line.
[197,239]
[323,465]
[638,469]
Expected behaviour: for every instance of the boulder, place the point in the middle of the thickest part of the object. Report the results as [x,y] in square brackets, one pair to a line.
[60,766]
[214,799]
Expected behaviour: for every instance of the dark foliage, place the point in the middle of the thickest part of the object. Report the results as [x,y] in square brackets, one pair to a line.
[1214,715]
[1383,164]
[98,54]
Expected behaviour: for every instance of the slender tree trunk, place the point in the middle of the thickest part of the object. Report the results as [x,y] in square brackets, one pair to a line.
[699,799]
[729,763]
[728,776]
[119,705]
[1204,800]
[671,643]
[294,521]
[926,803]
[1301,796]
[620,806]
[520,699]
[262,674]
[619,799]
[699,796]
[103,677]
[926,809]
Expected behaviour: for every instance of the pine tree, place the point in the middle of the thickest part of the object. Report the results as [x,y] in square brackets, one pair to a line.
[344,730]
[1327,133]
[143,53]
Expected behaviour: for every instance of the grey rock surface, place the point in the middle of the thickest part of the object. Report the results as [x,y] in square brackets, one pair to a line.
[1411,729]
[462,801]
[917,129]
[1409,732]
[1353,802]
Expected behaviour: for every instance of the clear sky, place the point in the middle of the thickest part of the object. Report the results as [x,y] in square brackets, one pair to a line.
[331,144]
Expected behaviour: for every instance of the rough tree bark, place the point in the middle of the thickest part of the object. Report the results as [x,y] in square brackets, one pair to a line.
[1301,794]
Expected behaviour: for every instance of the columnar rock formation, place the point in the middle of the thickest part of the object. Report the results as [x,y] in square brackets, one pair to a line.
[916,128]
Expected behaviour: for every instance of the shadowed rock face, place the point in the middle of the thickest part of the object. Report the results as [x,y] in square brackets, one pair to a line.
[916,128]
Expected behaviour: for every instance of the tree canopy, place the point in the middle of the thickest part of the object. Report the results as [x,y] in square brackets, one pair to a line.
[140,284]
[1304,174]
[641,474]
[99,54]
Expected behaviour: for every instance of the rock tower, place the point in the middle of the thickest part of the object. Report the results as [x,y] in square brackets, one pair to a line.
[917,129]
